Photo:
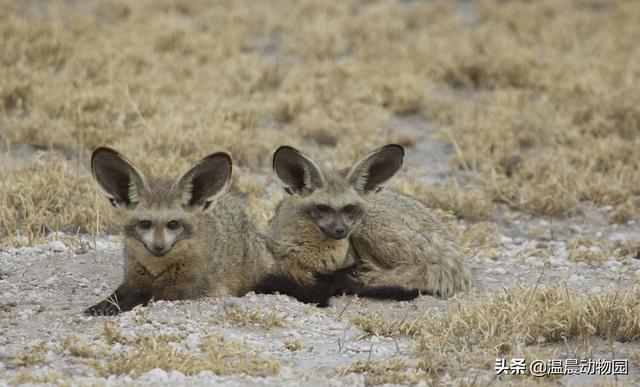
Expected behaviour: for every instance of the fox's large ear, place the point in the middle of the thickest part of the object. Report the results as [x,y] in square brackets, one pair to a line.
[205,181]
[300,175]
[376,168]
[120,181]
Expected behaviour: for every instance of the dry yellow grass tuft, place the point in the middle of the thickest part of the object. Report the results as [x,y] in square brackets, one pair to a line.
[374,325]
[77,347]
[392,371]
[635,357]
[31,355]
[624,212]
[293,345]
[257,317]
[519,323]
[469,202]
[218,355]
[519,316]
[44,196]
[111,333]
[40,378]
[546,108]
[145,352]
[593,250]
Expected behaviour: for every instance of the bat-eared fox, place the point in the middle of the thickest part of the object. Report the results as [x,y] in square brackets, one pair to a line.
[341,230]
[183,239]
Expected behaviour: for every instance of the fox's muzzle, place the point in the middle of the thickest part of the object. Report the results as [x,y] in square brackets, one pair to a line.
[158,250]
[339,232]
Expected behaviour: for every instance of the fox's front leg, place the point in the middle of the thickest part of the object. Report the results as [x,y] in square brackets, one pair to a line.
[123,299]
[297,284]
[136,289]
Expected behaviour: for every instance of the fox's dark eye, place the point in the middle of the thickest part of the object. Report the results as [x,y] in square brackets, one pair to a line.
[323,208]
[144,224]
[174,224]
[349,209]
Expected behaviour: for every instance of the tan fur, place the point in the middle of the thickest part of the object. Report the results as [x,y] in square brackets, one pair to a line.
[225,255]
[299,245]
[398,241]
[403,242]
[218,251]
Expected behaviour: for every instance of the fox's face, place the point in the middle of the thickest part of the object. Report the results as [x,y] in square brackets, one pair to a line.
[159,215]
[333,212]
[159,230]
[335,202]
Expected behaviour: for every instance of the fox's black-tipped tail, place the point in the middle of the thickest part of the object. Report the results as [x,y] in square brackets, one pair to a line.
[395,293]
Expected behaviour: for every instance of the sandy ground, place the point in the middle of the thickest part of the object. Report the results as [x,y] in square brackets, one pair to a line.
[44,289]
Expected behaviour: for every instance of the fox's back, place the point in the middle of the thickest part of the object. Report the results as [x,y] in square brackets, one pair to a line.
[400,231]
[400,212]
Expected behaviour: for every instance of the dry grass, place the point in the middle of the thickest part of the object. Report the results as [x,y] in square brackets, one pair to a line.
[543,111]
[255,318]
[391,371]
[32,355]
[373,325]
[624,212]
[216,354]
[519,317]
[635,358]
[77,347]
[593,250]
[40,377]
[546,108]
[554,116]
[143,353]
[517,323]
[469,202]
[44,196]
[111,333]
[293,345]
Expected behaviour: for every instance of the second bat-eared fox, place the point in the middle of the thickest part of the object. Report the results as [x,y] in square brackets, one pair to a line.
[341,227]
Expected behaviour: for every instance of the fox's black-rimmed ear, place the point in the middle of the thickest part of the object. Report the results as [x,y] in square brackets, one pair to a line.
[205,181]
[119,179]
[376,168]
[299,173]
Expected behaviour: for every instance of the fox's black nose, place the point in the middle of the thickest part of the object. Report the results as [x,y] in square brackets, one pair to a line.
[335,232]
[158,248]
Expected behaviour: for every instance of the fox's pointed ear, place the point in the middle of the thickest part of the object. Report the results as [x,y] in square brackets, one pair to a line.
[207,179]
[300,175]
[376,168]
[118,178]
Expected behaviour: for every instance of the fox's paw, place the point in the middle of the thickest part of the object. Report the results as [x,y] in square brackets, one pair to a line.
[323,303]
[103,308]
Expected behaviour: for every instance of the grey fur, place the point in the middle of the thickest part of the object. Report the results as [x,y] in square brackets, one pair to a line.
[397,240]
[221,253]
